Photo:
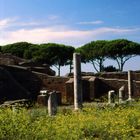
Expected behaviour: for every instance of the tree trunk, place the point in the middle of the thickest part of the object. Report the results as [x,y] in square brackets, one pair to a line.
[100,65]
[59,70]
[118,64]
[121,65]
[71,67]
[94,66]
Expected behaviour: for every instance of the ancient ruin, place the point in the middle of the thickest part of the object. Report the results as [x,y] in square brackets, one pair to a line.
[20,82]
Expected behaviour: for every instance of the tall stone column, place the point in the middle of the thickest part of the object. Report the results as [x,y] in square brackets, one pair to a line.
[77,81]
[129,85]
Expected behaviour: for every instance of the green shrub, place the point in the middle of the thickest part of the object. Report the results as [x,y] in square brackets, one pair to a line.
[90,123]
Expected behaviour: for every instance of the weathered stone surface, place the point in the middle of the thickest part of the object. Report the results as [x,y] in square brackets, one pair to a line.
[59,97]
[8,59]
[38,67]
[82,74]
[69,91]
[114,84]
[130,88]
[17,83]
[119,75]
[121,92]
[52,103]
[85,89]
[42,100]
[19,103]
[111,95]
[54,83]
[78,98]
[94,86]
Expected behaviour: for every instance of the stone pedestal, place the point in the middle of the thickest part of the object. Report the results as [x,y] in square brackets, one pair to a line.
[121,91]
[52,103]
[111,98]
[42,100]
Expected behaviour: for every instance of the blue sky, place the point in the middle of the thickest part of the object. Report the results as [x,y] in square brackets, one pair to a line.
[71,22]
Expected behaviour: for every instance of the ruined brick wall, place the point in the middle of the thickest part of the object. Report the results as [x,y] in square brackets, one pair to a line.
[136,88]
[95,87]
[17,83]
[114,84]
[69,86]
[136,76]
[119,75]
[54,83]
[112,75]
[87,89]
[118,79]
[24,80]
[8,59]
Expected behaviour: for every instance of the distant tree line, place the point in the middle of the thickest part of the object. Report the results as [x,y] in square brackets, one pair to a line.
[120,50]
[53,54]
[95,52]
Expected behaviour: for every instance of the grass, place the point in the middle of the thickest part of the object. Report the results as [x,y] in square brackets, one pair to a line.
[92,122]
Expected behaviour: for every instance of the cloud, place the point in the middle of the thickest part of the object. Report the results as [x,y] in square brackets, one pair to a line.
[62,34]
[4,23]
[27,23]
[53,17]
[9,23]
[90,22]
[14,30]
[16,22]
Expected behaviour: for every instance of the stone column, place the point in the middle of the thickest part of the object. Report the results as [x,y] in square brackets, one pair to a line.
[129,85]
[52,103]
[77,81]
[121,90]
[111,96]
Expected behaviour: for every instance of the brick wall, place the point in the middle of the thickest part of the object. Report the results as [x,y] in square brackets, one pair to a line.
[8,59]
[54,83]
[119,75]
[97,86]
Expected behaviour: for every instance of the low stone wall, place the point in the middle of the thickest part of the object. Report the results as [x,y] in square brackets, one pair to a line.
[136,88]
[93,87]
[115,84]
[119,75]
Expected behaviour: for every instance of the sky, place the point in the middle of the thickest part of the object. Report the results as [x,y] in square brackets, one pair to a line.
[70,22]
